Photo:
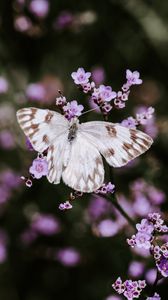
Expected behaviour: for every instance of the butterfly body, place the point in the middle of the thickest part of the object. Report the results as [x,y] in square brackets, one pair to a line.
[74,151]
[73,130]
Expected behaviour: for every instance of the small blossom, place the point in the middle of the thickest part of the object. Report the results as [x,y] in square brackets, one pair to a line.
[130,122]
[136,269]
[61,101]
[45,224]
[69,257]
[7,140]
[81,77]
[143,240]
[98,75]
[162,266]
[66,205]
[107,228]
[103,94]
[39,168]
[155,297]
[106,107]
[39,8]
[22,23]
[72,109]
[106,93]
[145,226]
[133,77]
[118,103]
[106,188]
[36,92]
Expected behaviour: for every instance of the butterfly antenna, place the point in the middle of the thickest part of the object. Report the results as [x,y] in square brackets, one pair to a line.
[87,111]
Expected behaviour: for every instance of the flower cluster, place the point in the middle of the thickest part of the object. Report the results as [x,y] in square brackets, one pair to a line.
[140,118]
[70,109]
[160,254]
[130,289]
[146,230]
[155,297]
[122,96]
[106,188]
[103,95]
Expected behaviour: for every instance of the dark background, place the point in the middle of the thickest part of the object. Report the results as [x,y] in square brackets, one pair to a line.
[121,35]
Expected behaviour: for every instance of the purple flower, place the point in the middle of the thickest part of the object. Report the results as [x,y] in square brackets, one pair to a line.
[22,23]
[150,276]
[45,224]
[10,179]
[36,92]
[60,101]
[99,207]
[130,122]
[98,75]
[143,240]
[130,289]
[107,228]
[162,266]
[136,269]
[105,93]
[39,8]
[7,140]
[39,168]
[81,77]
[145,227]
[155,297]
[133,77]
[66,205]
[72,109]
[69,257]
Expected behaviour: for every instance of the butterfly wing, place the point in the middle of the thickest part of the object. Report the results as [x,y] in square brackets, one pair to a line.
[57,157]
[41,126]
[84,171]
[116,143]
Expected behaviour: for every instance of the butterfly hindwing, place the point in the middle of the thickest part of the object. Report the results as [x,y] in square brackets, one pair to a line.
[41,126]
[84,171]
[116,143]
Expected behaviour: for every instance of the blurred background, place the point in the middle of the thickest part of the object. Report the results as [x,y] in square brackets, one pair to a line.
[46,253]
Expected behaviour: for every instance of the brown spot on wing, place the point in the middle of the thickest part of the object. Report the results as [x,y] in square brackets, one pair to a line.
[48,117]
[127,146]
[45,139]
[111,130]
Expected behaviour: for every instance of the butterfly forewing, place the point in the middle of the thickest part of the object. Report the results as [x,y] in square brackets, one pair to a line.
[116,143]
[41,126]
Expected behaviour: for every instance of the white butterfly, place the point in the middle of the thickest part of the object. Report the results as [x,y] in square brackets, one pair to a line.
[74,150]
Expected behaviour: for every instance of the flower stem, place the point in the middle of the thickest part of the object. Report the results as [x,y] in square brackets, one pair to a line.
[121,210]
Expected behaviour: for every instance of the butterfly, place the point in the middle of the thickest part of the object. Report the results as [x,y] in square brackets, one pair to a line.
[74,150]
